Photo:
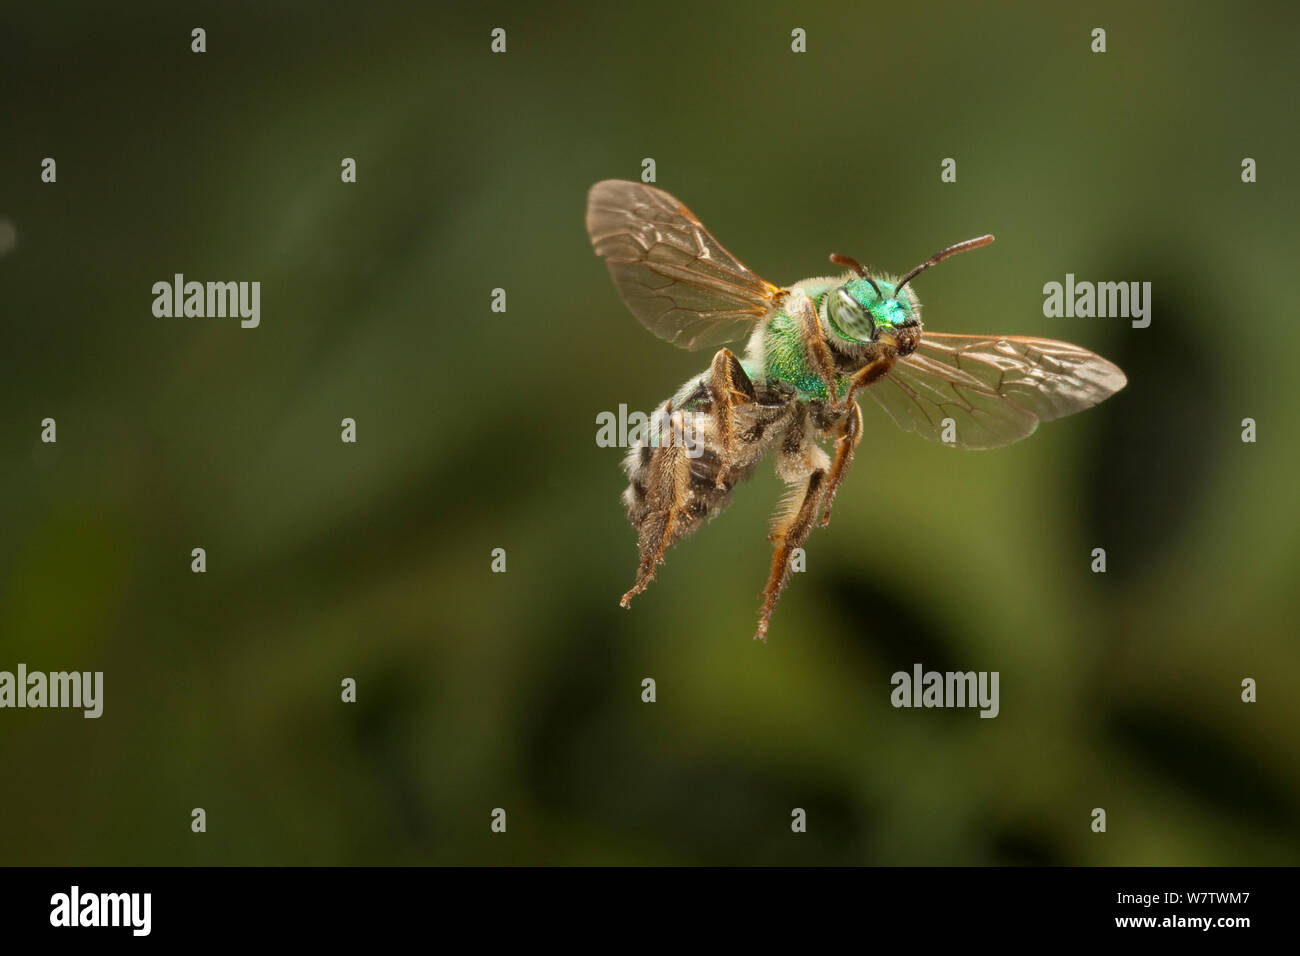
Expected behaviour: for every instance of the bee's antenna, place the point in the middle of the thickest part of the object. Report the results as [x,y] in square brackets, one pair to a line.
[853,264]
[938,257]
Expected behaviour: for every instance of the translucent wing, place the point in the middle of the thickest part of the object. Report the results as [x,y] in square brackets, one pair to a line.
[995,389]
[679,281]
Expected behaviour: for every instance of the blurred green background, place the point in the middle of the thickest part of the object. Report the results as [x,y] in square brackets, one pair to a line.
[476,430]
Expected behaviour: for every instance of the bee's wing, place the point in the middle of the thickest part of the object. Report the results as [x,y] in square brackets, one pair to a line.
[681,283]
[995,388]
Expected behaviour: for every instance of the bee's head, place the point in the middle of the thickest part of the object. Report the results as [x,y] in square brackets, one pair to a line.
[867,310]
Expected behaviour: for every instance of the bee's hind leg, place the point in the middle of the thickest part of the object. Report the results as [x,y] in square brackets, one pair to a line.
[729,387]
[659,511]
[800,461]
[670,497]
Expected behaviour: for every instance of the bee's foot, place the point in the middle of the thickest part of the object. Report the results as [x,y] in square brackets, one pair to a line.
[626,600]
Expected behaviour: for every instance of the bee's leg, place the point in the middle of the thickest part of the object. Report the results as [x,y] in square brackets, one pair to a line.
[869,373]
[819,353]
[730,387]
[790,531]
[660,516]
[800,462]
[845,443]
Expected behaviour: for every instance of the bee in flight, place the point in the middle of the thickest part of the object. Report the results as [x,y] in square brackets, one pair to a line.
[813,347]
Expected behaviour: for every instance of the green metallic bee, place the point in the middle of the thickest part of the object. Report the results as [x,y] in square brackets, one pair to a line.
[812,347]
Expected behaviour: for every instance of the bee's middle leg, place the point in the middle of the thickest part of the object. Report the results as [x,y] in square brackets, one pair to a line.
[849,436]
[801,460]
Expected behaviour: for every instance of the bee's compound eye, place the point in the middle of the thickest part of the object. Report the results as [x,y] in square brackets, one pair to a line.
[850,317]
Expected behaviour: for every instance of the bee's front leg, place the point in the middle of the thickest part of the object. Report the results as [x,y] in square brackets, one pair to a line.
[870,373]
[814,339]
